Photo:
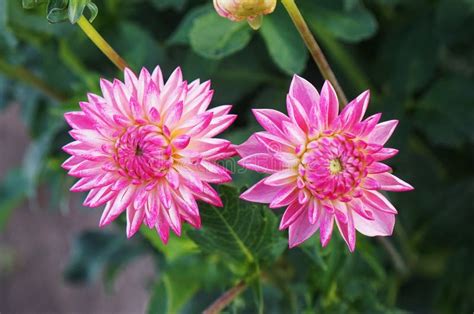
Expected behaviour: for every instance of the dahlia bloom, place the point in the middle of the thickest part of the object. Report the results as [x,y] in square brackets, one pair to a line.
[323,166]
[147,147]
[251,10]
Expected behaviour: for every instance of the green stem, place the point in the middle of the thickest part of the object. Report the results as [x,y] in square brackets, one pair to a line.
[26,76]
[314,47]
[225,299]
[101,43]
[395,256]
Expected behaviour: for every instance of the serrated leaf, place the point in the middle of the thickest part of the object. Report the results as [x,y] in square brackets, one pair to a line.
[241,231]
[214,37]
[284,43]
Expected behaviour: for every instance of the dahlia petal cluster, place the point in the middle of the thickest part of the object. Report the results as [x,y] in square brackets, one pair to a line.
[147,147]
[251,10]
[323,166]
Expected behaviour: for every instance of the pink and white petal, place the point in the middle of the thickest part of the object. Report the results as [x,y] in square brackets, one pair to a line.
[354,111]
[208,147]
[150,101]
[130,81]
[359,207]
[346,226]
[285,196]
[326,226]
[79,120]
[314,210]
[264,163]
[300,230]
[382,224]
[378,167]
[121,100]
[134,220]
[382,132]
[116,206]
[328,104]
[162,225]
[365,127]
[389,182]
[297,113]
[292,213]
[305,93]
[194,125]
[275,143]
[384,154]
[208,195]
[175,218]
[173,116]
[157,77]
[143,86]
[377,201]
[294,134]
[260,193]
[271,120]
[218,125]
[283,177]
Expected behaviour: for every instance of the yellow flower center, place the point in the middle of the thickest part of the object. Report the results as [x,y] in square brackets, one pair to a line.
[335,166]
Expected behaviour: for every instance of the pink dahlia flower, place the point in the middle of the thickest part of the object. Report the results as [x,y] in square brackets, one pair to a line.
[147,147]
[323,166]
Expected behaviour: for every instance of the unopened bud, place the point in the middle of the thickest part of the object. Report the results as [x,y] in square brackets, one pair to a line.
[251,10]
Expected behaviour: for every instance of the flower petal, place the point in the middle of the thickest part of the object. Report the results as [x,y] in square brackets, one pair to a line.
[300,230]
[260,193]
[382,132]
[389,182]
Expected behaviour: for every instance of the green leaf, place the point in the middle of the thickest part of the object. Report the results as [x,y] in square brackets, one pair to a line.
[410,55]
[176,287]
[241,231]
[146,52]
[36,155]
[176,247]
[284,43]
[350,22]
[57,11]
[214,37]
[446,120]
[30,4]
[181,34]
[61,10]
[76,7]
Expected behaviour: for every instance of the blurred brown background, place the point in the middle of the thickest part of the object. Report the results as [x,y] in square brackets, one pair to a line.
[32,261]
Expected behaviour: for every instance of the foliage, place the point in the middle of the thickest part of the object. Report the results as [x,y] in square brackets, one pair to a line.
[417,57]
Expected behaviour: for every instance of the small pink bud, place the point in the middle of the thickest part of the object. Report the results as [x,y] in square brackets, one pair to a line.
[251,10]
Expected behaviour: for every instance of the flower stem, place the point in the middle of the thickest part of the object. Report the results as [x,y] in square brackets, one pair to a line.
[395,256]
[26,76]
[101,43]
[313,47]
[225,299]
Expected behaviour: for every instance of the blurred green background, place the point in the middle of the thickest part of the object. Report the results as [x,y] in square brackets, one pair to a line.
[416,57]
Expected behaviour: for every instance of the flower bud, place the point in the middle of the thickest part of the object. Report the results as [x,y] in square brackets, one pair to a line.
[238,10]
